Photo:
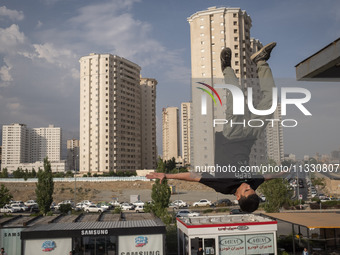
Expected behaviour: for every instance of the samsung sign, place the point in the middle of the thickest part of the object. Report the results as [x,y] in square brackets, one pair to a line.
[94,232]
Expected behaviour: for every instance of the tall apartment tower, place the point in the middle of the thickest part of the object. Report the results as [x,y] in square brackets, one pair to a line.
[171,139]
[72,154]
[212,30]
[110,124]
[15,144]
[45,142]
[148,122]
[275,149]
[185,124]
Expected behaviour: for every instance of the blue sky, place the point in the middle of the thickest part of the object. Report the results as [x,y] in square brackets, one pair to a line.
[42,41]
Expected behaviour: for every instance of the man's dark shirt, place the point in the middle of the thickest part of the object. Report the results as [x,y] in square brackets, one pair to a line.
[230,185]
[233,153]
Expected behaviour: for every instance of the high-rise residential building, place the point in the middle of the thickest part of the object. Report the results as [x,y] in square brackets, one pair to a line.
[275,149]
[72,154]
[110,114]
[23,146]
[15,144]
[148,123]
[171,135]
[45,142]
[212,30]
[185,124]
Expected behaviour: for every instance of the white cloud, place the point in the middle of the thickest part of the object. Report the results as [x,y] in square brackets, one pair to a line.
[10,39]
[11,14]
[54,55]
[39,24]
[5,76]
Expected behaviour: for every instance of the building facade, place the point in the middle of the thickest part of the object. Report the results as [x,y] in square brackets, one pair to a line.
[171,135]
[73,154]
[185,124]
[26,148]
[275,138]
[110,122]
[212,30]
[148,123]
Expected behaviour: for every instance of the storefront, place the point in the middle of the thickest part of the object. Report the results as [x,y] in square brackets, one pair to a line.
[96,238]
[242,234]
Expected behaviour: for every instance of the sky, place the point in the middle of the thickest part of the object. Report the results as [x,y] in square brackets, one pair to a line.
[41,42]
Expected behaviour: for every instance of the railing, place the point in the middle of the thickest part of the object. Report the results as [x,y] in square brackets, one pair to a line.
[80,179]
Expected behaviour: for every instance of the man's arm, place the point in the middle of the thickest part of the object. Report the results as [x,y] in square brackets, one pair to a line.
[189,176]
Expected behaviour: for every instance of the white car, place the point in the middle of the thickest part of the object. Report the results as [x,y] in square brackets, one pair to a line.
[29,203]
[8,209]
[114,203]
[80,206]
[94,208]
[19,207]
[86,202]
[202,202]
[105,205]
[127,206]
[180,203]
[186,213]
[139,202]
[139,208]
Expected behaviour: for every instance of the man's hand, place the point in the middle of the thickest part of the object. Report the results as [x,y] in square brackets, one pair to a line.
[154,175]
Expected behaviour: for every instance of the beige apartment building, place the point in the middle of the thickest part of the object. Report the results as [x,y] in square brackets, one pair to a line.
[185,124]
[45,141]
[117,115]
[212,30]
[26,148]
[171,135]
[72,154]
[148,123]
[275,149]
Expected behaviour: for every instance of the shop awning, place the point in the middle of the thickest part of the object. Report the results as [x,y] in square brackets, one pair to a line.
[309,220]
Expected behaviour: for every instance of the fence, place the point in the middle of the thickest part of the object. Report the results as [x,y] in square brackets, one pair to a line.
[81,179]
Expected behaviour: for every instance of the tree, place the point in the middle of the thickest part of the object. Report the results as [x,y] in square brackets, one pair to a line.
[4,173]
[160,197]
[5,196]
[44,188]
[160,165]
[277,194]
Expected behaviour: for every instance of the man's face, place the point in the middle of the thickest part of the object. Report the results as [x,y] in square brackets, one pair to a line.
[244,191]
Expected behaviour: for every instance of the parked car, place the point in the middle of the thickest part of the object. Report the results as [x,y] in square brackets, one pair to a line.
[180,203]
[29,203]
[94,208]
[80,206]
[86,202]
[20,207]
[139,208]
[105,205]
[263,198]
[187,213]
[127,206]
[202,202]
[8,209]
[114,203]
[236,211]
[139,202]
[173,206]
[223,202]
[322,196]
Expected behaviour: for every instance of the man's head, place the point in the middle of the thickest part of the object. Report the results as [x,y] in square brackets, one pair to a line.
[247,198]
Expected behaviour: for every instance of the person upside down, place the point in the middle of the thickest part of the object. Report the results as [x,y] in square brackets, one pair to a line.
[233,145]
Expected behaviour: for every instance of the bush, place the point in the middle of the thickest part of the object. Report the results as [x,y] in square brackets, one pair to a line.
[222,210]
[117,210]
[65,208]
[208,210]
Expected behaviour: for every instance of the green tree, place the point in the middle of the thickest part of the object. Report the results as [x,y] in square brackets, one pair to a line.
[160,165]
[160,201]
[4,173]
[277,194]
[5,195]
[44,187]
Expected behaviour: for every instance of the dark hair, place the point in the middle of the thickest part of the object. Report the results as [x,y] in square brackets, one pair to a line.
[250,203]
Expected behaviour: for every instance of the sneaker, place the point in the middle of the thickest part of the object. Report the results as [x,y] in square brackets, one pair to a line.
[263,53]
[225,58]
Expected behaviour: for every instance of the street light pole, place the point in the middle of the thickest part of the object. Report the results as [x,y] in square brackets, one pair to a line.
[75,179]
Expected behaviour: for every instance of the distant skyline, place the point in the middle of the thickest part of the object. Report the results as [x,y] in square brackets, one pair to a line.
[42,42]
